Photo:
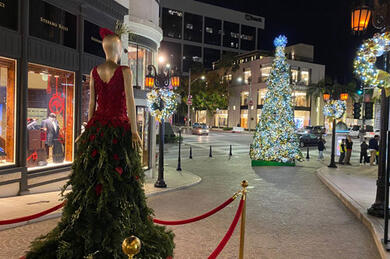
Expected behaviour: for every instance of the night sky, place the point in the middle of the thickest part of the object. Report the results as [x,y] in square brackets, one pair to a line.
[324,24]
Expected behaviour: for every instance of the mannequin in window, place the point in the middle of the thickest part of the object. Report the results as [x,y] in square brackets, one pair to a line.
[51,128]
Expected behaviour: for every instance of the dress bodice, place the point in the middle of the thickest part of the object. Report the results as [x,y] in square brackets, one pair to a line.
[110,99]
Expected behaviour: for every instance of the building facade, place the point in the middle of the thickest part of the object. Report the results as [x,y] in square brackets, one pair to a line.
[247,89]
[199,32]
[47,50]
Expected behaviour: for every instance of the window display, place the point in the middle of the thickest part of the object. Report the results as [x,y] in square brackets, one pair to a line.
[221,118]
[143,131]
[261,96]
[139,59]
[50,116]
[244,119]
[244,98]
[7,111]
[300,99]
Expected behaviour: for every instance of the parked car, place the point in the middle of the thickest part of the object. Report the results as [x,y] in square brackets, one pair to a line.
[200,129]
[305,130]
[318,130]
[354,132]
[308,139]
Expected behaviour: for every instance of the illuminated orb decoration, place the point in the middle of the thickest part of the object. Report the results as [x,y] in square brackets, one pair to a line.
[364,64]
[335,109]
[164,109]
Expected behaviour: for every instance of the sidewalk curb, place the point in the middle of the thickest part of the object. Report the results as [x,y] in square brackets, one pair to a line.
[358,211]
[54,215]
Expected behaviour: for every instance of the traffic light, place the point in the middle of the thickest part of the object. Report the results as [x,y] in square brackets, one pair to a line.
[356,110]
[368,111]
[359,91]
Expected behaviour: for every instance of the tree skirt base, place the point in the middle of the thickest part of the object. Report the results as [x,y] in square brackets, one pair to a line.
[270,163]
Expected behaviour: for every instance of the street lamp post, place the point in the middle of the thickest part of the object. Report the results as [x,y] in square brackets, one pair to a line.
[381,21]
[161,81]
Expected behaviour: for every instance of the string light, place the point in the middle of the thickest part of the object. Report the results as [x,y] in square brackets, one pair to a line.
[335,109]
[169,103]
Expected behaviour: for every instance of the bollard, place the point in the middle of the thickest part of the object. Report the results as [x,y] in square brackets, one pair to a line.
[179,155]
[190,152]
[230,151]
[244,185]
[307,153]
[211,152]
[131,246]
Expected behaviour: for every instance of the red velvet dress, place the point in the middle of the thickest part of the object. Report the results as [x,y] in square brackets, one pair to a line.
[107,202]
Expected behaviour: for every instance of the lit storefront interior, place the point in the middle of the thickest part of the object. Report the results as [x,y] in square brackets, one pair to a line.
[7,111]
[139,58]
[261,96]
[301,118]
[50,116]
[201,116]
[221,118]
[244,119]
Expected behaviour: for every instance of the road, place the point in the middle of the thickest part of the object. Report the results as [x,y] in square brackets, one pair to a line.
[290,213]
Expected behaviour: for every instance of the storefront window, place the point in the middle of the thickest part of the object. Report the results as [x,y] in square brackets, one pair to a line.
[143,131]
[300,99]
[221,118]
[294,76]
[139,59]
[84,102]
[201,116]
[305,77]
[244,98]
[7,111]
[301,118]
[244,119]
[247,75]
[261,96]
[265,72]
[50,116]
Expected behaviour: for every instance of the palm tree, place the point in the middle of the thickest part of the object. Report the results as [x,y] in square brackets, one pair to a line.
[333,88]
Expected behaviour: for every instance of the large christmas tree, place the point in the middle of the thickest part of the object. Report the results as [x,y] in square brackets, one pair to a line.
[275,138]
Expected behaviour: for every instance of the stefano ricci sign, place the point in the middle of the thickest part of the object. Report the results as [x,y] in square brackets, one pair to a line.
[9,14]
[51,23]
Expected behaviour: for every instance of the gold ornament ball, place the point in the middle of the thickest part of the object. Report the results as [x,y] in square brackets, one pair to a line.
[131,246]
[244,183]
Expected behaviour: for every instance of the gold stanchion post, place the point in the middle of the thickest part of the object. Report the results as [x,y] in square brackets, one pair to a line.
[244,184]
[131,246]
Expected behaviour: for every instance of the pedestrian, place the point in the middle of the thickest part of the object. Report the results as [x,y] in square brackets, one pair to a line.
[342,152]
[363,152]
[348,145]
[373,147]
[321,147]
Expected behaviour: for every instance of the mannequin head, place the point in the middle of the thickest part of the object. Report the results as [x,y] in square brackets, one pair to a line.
[112,47]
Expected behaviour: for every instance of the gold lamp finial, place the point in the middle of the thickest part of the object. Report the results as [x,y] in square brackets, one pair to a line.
[244,184]
[131,246]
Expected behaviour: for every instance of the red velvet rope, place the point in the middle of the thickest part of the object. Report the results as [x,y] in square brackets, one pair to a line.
[30,217]
[229,233]
[186,221]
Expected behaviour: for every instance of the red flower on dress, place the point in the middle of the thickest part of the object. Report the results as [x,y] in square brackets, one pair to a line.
[92,137]
[119,170]
[114,141]
[137,177]
[94,153]
[98,189]
[101,134]
[116,157]
[103,32]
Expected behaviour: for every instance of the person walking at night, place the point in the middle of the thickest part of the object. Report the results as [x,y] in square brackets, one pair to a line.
[321,147]
[363,152]
[348,145]
[373,147]
[342,152]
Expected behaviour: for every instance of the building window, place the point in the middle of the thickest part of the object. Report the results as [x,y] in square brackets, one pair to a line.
[193,25]
[50,113]
[191,54]
[172,52]
[7,111]
[247,75]
[244,98]
[201,116]
[227,78]
[300,99]
[301,118]
[143,131]
[305,77]
[294,76]
[261,96]
[221,118]
[213,31]
[139,59]
[172,23]
[248,37]
[211,56]
[265,72]
[231,35]
[244,119]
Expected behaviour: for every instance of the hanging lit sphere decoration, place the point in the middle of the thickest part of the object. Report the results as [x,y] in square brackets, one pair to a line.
[169,103]
[335,109]
[364,64]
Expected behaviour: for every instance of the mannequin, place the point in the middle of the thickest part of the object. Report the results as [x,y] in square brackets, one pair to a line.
[52,129]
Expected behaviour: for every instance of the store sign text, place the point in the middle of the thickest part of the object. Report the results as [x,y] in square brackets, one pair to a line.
[54,24]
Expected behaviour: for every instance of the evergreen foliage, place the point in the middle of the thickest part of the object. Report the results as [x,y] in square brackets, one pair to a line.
[275,138]
[107,203]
